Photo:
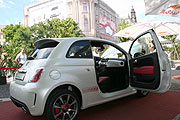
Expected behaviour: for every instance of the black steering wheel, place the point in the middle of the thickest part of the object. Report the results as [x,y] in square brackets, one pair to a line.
[138,54]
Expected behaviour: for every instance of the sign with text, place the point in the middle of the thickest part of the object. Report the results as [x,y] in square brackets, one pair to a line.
[163,7]
[47,10]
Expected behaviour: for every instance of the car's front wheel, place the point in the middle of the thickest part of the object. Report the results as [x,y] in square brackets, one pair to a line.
[62,105]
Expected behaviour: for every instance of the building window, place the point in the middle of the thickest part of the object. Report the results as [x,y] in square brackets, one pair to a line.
[84,7]
[69,8]
[85,24]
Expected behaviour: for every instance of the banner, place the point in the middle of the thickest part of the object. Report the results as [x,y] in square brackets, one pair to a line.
[163,7]
[106,27]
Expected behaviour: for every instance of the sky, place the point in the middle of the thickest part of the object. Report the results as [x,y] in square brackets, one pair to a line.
[12,11]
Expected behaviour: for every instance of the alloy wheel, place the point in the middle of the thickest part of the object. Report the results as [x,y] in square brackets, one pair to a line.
[65,107]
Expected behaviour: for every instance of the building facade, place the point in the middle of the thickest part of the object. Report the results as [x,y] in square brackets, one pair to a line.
[2,36]
[132,17]
[95,18]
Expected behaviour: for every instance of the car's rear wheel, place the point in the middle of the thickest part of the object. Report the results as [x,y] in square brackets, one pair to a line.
[62,105]
[142,93]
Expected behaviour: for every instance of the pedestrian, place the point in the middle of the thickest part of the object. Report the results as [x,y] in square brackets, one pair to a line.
[95,52]
[21,57]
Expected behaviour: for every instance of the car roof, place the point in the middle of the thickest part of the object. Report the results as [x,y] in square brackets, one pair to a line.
[51,41]
[74,39]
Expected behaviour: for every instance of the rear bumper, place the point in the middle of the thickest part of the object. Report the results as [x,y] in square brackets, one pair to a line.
[19,104]
[28,97]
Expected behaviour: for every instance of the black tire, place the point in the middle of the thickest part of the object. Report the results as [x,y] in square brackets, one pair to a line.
[142,93]
[62,105]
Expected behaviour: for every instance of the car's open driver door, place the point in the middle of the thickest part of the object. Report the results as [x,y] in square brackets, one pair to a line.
[149,65]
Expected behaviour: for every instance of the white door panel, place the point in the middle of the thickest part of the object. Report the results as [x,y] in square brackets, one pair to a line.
[149,66]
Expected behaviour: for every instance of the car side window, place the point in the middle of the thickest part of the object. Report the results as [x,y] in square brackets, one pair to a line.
[142,46]
[80,49]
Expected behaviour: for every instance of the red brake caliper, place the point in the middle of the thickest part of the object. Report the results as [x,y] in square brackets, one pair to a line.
[56,110]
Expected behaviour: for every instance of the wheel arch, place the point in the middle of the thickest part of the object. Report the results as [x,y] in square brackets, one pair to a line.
[67,87]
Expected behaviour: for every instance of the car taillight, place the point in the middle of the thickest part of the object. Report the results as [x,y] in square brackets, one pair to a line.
[37,75]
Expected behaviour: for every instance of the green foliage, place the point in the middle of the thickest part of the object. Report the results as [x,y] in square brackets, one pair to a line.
[175,49]
[64,28]
[124,24]
[170,37]
[178,47]
[18,36]
[56,28]
[9,31]
[165,48]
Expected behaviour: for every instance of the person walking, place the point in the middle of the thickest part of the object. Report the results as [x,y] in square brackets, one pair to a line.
[21,57]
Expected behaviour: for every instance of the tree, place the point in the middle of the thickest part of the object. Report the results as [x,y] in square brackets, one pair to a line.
[124,24]
[10,30]
[65,28]
[174,48]
[18,36]
[56,28]
[165,48]
[178,47]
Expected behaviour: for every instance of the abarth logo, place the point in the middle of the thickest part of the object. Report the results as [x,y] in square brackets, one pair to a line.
[91,89]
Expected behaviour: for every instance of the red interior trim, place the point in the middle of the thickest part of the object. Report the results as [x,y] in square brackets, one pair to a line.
[176,77]
[102,79]
[144,70]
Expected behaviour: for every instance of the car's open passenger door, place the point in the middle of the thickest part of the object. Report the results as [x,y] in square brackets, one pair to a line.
[149,65]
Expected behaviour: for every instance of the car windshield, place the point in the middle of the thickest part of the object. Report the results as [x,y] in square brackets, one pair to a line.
[40,53]
[112,51]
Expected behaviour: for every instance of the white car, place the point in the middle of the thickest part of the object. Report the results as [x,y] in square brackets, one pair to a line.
[63,76]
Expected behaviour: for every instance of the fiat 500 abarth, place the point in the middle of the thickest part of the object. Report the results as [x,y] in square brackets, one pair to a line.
[64,75]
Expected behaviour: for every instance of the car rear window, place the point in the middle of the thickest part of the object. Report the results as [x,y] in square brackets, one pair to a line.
[40,53]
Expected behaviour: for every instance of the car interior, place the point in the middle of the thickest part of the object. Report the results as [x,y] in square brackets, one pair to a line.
[111,67]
